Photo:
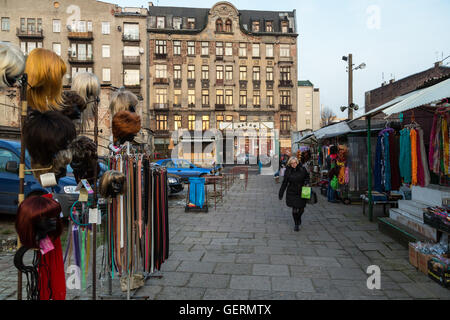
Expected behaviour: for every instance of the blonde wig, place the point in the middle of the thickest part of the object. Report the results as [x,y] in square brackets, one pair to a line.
[123,100]
[45,70]
[112,183]
[12,64]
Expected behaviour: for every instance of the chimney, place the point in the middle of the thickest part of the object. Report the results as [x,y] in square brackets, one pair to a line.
[438,64]
[391,81]
[150,4]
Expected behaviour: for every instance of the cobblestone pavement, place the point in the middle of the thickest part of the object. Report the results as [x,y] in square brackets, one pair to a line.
[247,249]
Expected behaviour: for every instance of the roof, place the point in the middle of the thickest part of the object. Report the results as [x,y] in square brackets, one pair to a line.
[305,83]
[248,16]
[200,15]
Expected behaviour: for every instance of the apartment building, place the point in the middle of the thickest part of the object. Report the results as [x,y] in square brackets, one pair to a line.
[308,110]
[225,69]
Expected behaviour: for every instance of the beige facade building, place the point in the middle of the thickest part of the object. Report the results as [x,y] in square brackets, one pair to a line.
[308,112]
[89,35]
[223,69]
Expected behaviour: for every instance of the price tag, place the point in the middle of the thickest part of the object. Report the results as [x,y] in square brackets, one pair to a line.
[48,180]
[87,186]
[84,196]
[93,215]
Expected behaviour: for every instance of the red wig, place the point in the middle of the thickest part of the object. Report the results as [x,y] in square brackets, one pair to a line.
[124,124]
[30,212]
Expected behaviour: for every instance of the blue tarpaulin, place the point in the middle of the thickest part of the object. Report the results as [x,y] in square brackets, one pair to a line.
[197,191]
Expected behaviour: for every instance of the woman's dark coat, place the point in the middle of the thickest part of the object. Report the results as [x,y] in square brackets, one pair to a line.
[294,180]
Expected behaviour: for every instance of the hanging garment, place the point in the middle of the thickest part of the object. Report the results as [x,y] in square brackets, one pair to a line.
[436,165]
[445,142]
[413,137]
[377,167]
[432,145]
[52,281]
[426,171]
[405,156]
[420,170]
[393,157]
[387,163]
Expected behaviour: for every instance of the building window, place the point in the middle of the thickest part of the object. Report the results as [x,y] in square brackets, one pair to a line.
[191,122]
[205,97]
[191,23]
[81,51]
[308,121]
[219,25]
[31,25]
[177,97]
[285,50]
[161,71]
[130,51]
[76,70]
[229,118]
[284,26]
[23,26]
[219,120]
[255,26]
[270,98]
[57,48]
[256,74]
[229,97]
[285,122]
[228,49]
[106,74]
[255,50]
[191,72]
[205,72]
[269,50]
[89,26]
[177,48]
[160,22]
[29,46]
[161,95]
[81,26]
[191,97]
[177,122]
[242,50]
[177,22]
[285,96]
[131,31]
[219,48]
[256,98]
[285,73]
[177,71]
[269,73]
[205,48]
[205,122]
[219,72]
[161,122]
[243,73]
[106,27]
[5,24]
[106,51]
[161,47]
[228,26]
[132,77]
[229,72]
[243,98]
[191,48]
[269,26]
[219,96]
[56,26]
[242,118]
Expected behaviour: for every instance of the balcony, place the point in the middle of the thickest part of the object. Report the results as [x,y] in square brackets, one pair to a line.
[81,59]
[26,34]
[177,83]
[243,84]
[257,106]
[131,60]
[161,106]
[135,88]
[161,81]
[219,58]
[160,56]
[130,38]
[285,107]
[191,83]
[88,36]
[177,105]
[286,83]
[205,106]
[243,106]
[220,107]
[205,83]
[191,105]
[287,59]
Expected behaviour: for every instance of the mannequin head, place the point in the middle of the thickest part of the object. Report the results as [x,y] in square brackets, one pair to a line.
[125,126]
[87,85]
[45,70]
[58,165]
[36,218]
[112,183]
[123,100]
[12,64]
[84,158]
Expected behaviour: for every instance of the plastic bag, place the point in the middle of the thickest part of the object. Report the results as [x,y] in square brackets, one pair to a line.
[334,183]
[306,192]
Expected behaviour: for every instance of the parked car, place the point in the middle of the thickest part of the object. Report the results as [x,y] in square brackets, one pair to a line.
[9,181]
[185,169]
[175,184]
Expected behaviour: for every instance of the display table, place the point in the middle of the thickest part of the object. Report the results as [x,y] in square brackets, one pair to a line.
[391,203]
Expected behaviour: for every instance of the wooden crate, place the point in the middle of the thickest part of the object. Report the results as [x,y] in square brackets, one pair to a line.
[413,256]
[423,261]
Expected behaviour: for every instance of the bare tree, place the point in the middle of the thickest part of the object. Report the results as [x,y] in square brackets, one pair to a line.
[327,116]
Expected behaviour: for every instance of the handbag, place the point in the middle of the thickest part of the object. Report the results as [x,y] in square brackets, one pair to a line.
[306,193]
[282,172]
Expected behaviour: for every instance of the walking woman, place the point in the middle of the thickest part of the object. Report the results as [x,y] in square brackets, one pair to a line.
[295,178]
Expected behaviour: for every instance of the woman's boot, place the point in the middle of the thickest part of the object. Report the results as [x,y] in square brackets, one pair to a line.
[295,215]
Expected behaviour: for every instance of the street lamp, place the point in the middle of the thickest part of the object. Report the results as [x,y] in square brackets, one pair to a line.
[351,106]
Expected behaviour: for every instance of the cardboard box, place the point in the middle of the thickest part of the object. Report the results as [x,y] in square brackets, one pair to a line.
[413,256]
[423,261]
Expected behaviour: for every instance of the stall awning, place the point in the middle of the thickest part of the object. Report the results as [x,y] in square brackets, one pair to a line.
[334,130]
[307,139]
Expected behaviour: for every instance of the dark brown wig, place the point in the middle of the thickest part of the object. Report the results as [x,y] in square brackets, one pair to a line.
[112,183]
[84,159]
[59,165]
[72,105]
[34,212]
[125,126]
[45,134]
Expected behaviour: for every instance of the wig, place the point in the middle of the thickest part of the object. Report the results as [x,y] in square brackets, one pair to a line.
[125,126]
[45,70]
[87,85]
[33,213]
[12,64]
[72,105]
[59,165]
[84,159]
[123,100]
[112,183]
[45,134]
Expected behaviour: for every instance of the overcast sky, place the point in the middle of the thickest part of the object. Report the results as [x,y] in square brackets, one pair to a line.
[394,37]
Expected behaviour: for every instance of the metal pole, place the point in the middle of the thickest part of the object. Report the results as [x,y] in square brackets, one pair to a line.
[369,168]
[21,197]
[350,86]
[94,225]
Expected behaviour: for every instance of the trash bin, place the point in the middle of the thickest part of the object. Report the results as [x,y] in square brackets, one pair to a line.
[197,191]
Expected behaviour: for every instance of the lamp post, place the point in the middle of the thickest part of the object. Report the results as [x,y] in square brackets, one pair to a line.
[351,106]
